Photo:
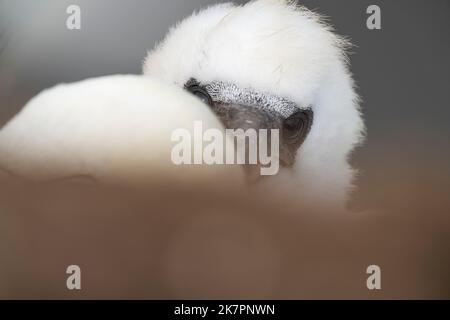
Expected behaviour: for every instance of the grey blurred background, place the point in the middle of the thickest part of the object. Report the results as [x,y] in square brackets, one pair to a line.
[402,71]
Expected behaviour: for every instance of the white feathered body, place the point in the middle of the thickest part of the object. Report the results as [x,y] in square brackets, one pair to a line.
[121,125]
[115,127]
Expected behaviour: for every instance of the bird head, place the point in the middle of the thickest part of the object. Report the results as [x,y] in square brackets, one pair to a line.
[271,64]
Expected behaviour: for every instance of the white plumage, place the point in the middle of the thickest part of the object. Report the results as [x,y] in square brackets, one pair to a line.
[110,128]
[120,126]
[277,47]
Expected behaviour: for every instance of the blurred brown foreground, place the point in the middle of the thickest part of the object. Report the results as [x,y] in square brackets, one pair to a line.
[213,241]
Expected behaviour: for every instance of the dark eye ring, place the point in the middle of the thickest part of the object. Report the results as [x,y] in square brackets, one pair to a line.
[200,92]
[297,126]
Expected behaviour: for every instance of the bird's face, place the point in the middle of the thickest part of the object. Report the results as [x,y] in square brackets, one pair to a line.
[245,108]
[272,64]
[257,66]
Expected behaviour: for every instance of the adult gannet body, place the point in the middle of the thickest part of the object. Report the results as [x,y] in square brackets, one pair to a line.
[273,64]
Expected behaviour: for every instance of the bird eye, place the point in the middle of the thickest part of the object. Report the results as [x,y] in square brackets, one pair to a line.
[297,126]
[200,92]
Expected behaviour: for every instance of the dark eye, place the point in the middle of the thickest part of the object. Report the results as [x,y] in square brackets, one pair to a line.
[200,92]
[297,126]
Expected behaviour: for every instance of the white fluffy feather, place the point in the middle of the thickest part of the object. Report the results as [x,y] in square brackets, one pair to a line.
[278,47]
[111,128]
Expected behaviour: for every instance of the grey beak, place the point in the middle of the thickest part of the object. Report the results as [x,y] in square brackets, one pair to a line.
[235,116]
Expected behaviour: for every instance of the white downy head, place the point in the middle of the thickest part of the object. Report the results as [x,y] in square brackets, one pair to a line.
[276,48]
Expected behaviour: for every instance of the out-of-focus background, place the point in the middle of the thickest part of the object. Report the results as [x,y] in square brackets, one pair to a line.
[403,77]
